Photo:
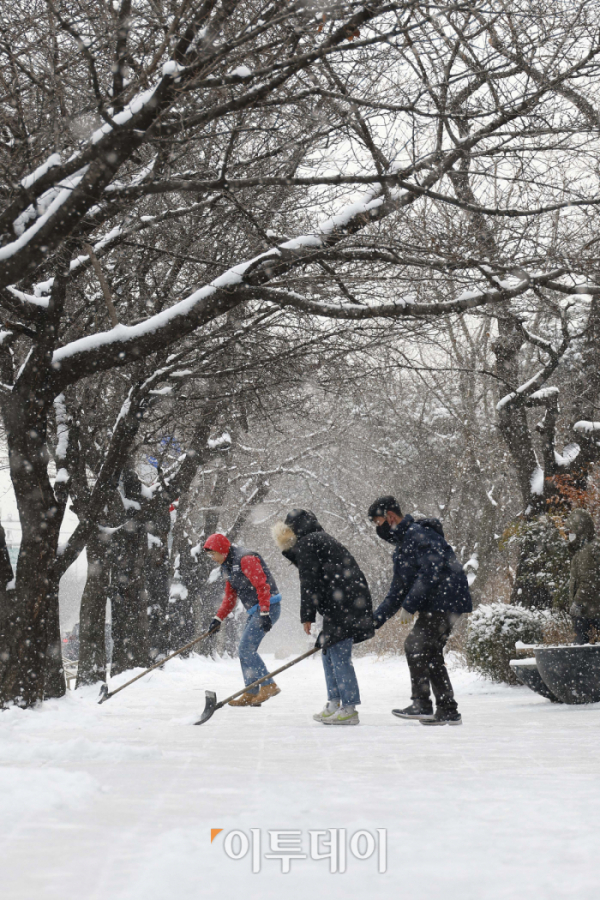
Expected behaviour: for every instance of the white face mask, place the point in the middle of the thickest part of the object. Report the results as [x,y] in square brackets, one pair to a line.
[572,537]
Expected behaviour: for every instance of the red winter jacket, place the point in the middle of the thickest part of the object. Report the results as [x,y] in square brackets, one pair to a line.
[247,576]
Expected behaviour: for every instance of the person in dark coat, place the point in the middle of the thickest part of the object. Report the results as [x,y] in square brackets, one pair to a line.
[428,580]
[332,584]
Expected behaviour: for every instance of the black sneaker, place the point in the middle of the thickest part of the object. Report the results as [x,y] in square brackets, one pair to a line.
[415,712]
[442,717]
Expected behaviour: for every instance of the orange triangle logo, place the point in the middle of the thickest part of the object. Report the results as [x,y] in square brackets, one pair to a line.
[214,832]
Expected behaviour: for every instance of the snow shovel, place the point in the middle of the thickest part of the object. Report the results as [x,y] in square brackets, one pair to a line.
[211,698]
[106,695]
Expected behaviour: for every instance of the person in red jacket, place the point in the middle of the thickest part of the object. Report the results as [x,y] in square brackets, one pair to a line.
[248,579]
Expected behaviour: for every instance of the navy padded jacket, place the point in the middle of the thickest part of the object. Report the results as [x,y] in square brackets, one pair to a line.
[427,575]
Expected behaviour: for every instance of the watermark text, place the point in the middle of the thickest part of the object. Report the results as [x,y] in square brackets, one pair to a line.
[336,845]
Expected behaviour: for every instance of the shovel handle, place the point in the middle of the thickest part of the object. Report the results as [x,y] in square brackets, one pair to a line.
[107,696]
[269,675]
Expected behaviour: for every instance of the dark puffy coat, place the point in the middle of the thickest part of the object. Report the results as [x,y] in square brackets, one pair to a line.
[331,582]
[427,575]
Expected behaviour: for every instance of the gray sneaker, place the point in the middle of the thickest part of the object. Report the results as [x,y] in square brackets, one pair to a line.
[415,712]
[345,715]
[328,710]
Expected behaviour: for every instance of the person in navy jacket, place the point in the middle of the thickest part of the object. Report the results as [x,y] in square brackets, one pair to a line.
[428,580]
[248,579]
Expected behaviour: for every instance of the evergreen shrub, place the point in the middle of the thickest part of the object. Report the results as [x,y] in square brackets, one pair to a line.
[491,635]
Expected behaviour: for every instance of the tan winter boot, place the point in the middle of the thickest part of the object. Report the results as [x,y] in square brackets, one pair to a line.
[246,700]
[266,691]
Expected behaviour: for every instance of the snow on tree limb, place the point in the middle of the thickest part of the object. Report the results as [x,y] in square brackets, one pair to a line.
[532,392]
[115,142]
[64,192]
[62,428]
[586,427]
[537,481]
[569,455]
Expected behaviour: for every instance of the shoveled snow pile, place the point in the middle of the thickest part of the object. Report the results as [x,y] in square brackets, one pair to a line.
[118,801]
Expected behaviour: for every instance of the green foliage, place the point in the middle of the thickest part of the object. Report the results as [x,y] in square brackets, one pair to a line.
[492,633]
[542,579]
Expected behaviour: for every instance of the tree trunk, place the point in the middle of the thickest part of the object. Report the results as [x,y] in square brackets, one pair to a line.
[128,605]
[33,665]
[7,599]
[157,525]
[197,610]
[156,593]
[92,617]
[206,595]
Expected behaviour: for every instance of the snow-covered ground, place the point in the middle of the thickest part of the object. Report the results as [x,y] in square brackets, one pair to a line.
[118,801]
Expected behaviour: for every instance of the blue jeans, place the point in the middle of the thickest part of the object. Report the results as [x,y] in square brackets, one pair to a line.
[340,675]
[252,665]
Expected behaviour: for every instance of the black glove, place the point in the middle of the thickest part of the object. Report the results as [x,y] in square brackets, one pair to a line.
[265,622]
[215,624]
[378,620]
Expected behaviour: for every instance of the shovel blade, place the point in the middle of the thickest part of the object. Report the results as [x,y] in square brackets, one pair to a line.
[211,705]
[103,693]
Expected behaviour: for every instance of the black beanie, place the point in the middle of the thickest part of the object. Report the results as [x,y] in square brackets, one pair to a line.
[382,505]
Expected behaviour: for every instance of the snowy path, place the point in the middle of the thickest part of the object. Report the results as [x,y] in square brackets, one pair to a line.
[117,801]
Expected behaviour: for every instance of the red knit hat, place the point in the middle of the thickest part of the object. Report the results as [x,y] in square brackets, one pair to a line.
[219,543]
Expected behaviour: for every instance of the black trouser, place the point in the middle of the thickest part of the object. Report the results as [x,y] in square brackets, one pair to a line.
[585,629]
[424,648]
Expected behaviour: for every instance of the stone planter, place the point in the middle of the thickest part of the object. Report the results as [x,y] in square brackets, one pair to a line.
[572,673]
[527,673]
